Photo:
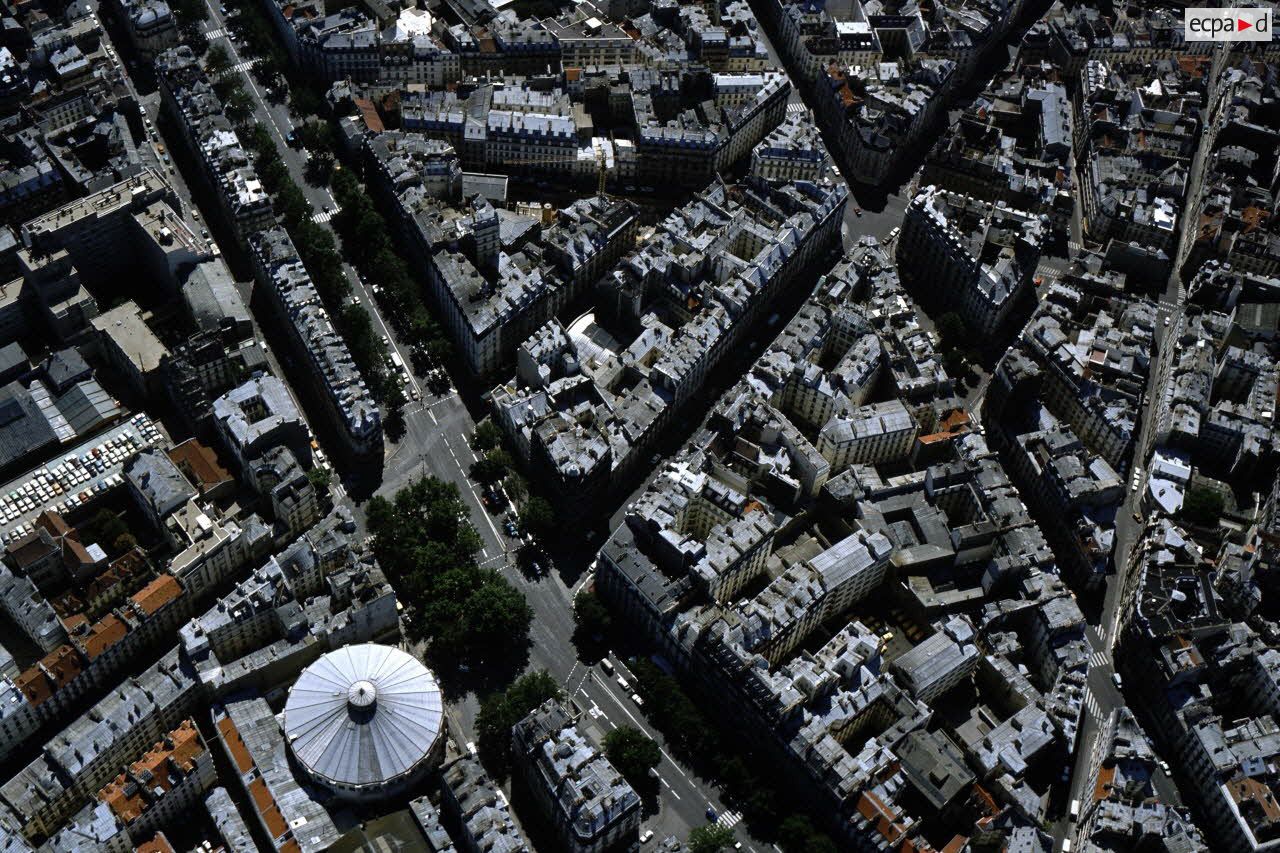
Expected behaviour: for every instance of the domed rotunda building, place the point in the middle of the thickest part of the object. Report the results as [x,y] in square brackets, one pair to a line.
[365,721]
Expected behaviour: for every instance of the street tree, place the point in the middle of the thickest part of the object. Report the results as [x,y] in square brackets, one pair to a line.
[218,59]
[538,518]
[500,711]
[486,437]
[591,616]
[796,834]
[239,108]
[710,838]
[496,614]
[634,753]
[492,467]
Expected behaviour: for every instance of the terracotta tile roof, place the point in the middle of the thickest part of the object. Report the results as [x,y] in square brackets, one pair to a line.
[67,606]
[1102,784]
[159,844]
[881,816]
[73,553]
[30,549]
[54,523]
[124,798]
[104,634]
[369,114]
[127,565]
[47,677]
[267,808]
[127,796]
[200,464]
[235,744]
[157,594]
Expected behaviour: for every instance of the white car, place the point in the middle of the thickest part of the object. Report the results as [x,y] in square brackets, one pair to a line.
[645,836]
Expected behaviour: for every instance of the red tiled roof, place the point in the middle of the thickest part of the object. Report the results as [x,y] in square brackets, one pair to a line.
[157,594]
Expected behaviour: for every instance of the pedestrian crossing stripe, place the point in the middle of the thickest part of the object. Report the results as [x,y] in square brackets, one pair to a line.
[322,218]
[1092,703]
[730,819]
[1098,659]
[216,34]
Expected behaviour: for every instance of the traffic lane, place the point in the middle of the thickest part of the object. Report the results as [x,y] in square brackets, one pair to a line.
[689,796]
[435,444]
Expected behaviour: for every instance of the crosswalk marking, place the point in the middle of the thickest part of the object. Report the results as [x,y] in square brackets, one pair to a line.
[1092,704]
[1098,659]
[322,217]
[730,819]
[244,66]
[796,109]
[216,34]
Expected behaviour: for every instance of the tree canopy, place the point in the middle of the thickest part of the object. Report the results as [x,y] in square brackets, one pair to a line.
[1203,506]
[710,838]
[426,544]
[486,437]
[634,754]
[492,467]
[538,518]
[502,710]
[591,616]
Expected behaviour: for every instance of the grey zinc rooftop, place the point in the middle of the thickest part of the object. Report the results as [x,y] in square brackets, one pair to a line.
[159,481]
[363,715]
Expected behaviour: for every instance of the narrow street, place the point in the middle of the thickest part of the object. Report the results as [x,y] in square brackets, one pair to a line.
[436,443]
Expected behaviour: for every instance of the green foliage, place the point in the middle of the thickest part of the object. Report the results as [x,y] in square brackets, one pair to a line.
[492,467]
[319,253]
[239,106]
[591,616]
[109,531]
[693,737]
[425,542]
[500,711]
[486,437]
[796,834]
[538,518]
[687,729]
[634,754]
[319,478]
[190,11]
[366,240]
[953,331]
[1203,506]
[710,838]
[218,59]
